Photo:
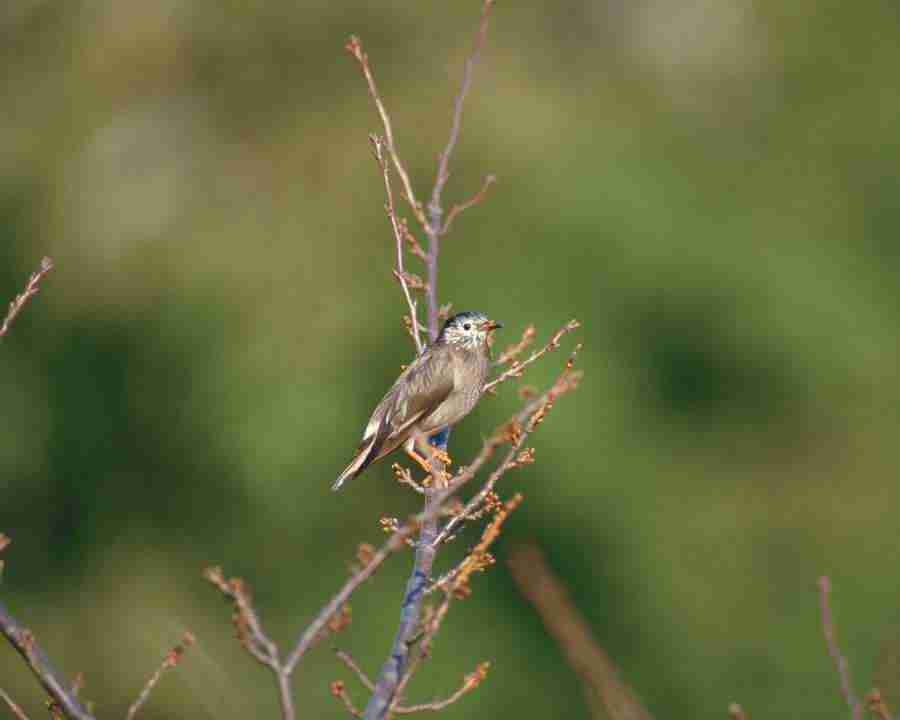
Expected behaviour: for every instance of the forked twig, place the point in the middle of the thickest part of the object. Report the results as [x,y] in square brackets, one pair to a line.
[516,368]
[399,237]
[466,204]
[354,47]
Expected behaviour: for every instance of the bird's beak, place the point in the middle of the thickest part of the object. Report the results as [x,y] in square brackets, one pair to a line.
[492,325]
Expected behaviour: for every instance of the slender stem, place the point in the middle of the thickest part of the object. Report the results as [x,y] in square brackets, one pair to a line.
[171,660]
[354,47]
[31,289]
[834,650]
[400,273]
[443,172]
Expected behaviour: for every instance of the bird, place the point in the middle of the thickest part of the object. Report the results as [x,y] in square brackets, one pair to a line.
[437,390]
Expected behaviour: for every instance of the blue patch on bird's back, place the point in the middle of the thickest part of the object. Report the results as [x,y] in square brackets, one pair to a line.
[439,439]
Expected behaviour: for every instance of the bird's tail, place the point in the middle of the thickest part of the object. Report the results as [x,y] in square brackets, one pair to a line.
[364,455]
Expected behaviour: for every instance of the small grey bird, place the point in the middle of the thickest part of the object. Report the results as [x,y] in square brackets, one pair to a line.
[437,390]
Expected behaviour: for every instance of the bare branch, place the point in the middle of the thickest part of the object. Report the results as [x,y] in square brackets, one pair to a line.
[18,712]
[352,664]
[470,682]
[443,172]
[531,416]
[434,226]
[400,232]
[471,202]
[840,662]
[25,644]
[31,289]
[573,634]
[513,351]
[354,47]
[246,621]
[314,631]
[172,659]
[517,368]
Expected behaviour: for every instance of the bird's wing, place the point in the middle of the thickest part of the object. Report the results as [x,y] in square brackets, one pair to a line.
[418,392]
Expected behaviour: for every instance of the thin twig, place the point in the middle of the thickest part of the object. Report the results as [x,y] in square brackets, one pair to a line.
[246,621]
[530,416]
[434,225]
[31,289]
[443,172]
[25,644]
[466,204]
[470,682]
[516,369]
[513,351]
[171,660]
[18,712]
[354,47]
[345,658]
[314,630]
[399,236]
[840,662]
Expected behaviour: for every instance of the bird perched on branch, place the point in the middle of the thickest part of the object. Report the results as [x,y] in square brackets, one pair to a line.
[437,390]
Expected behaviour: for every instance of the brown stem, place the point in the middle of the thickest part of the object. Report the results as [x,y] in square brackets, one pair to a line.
[465,205]
[171,660]
[31,289]
[399,236]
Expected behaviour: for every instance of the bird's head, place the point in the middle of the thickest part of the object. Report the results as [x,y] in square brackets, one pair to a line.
[469,330]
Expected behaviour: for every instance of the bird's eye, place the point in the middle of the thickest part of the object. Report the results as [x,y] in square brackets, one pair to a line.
[467,326]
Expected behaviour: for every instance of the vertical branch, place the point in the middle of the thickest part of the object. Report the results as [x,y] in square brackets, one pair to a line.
[393,669]
[433,228]
[840,662]
[400,272]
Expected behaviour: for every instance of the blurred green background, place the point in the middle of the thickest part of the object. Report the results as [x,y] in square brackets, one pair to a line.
[711,186]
